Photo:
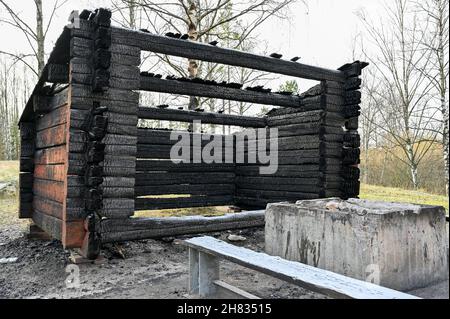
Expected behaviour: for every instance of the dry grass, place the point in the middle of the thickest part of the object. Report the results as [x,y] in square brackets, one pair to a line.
[9,171]
[391,194]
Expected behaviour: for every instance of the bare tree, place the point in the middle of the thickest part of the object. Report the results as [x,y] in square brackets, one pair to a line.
[35,36]
[436,41]
[205,20]
[403,93]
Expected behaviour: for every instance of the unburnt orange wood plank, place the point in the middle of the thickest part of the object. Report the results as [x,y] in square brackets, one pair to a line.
[53,155]
[54,118]
[52,136]
[48,207]
[50,172]
[73,234]
[53,190]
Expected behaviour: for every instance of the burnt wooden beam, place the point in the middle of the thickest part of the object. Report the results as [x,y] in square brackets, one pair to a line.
[169,166]
[205,52]
[142,228]
[204,90]
[155,113]
[181,202]
[57,73]
[201,189]
[44,104]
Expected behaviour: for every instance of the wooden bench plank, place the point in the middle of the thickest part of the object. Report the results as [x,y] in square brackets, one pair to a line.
[315,279]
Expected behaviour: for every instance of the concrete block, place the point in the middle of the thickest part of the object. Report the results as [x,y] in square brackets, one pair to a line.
[396,245]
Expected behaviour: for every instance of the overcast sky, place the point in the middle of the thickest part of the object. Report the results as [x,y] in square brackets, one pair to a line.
[320,33]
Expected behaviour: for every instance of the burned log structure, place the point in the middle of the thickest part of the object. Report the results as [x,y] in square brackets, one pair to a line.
[86,166]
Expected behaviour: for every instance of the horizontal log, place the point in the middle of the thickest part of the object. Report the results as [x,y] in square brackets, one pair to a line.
[57,73]
[201,189]
[107,192]
[48,207]
[162,137]
[43,104]
[53,118]
[182,202]
[328,150]
[85,92]
[241,188]
[119,62]
[77,117]
[205,52]
[52,190]
[144,228]
[81,47]
[278,194]
[169,166]
[150,179]
[203,90]
[122,150]
[76,169]
[307,171]
[108,181]
[50,156]
[50,172]
[112,208]
[51,225]
[121,107]
[53,136]
[308,129]
[261,180]
[164,151]
[205,117]
[109,161]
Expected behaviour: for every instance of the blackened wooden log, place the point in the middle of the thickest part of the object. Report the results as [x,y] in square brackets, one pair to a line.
[352,139]
[205,52]
[26,164]
[50,207]
[200,189]
[151,179]
[49,224]
[144,228]
[351,110]
[84,93]
[181,202]
[204,90]
[353,69]
[43,104]
[169,166]
[107,192]
[350,156]
[352,123]
[108,181]
[205,117]
[56,117]
[57,73]
[162,137]
[269,194]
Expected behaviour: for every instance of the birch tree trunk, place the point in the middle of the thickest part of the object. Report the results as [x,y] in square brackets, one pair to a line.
[193,36]
[40,37]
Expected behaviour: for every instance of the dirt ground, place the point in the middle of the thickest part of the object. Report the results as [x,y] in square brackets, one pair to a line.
[151,269]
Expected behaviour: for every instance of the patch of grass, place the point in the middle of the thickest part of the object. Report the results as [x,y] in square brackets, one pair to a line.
[204,211]
[391,194]
[9,171]
[9,206]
